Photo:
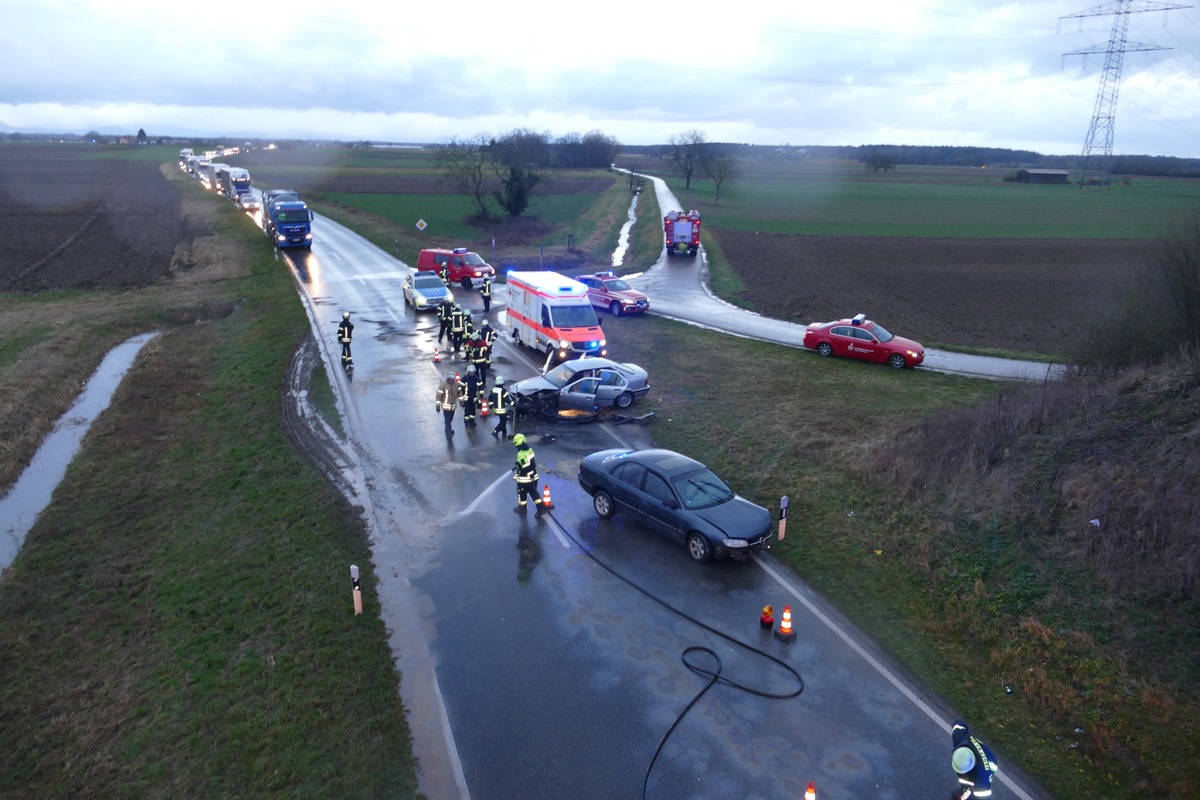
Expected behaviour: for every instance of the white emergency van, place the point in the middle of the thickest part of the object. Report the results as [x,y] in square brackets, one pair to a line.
[552,313]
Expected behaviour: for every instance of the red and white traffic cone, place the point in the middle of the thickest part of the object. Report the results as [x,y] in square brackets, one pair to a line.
[483,411]
[546,497]
[811,792]
[437,358]
[785,632]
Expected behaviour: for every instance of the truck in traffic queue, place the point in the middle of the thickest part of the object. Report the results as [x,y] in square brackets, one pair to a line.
[239,182]
[552,313]
[682,232]
[184,155]
[230,181]
[288,223]
[206,171]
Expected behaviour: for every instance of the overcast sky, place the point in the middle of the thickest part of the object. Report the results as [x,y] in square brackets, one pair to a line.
[968,72]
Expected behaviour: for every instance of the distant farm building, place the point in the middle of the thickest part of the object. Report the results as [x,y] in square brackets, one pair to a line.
[1042,176]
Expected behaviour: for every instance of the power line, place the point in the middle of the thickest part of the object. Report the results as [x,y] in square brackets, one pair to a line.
[1097,147]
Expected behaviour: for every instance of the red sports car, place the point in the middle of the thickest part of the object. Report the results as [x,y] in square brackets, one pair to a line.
[865,340]
[607,291]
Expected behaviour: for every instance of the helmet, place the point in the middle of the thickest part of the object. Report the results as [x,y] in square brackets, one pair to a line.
[345,315]
[499,380]
[519,439]
[471,369]
[485,324]
[963,760]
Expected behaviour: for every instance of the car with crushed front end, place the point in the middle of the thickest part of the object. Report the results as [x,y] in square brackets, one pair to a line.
[613,294]
[678,497]
[581,385]
[424,291]
[864,339]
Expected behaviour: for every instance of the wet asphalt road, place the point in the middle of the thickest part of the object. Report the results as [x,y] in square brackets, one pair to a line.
[532,671]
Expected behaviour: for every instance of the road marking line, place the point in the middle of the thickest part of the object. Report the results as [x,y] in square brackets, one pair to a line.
[870,659]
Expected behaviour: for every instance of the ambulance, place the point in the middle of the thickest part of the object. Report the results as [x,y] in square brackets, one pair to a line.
[552,313]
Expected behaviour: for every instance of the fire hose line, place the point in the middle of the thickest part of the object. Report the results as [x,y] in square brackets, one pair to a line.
[713,673]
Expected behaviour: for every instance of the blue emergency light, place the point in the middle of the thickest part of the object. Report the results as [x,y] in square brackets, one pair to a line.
[859,319]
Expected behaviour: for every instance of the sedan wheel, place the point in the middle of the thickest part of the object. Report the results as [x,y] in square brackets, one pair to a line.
[466,284]
[614,308]
[624,400]
[603,503]
[825,349]
[698,548]
[896,361]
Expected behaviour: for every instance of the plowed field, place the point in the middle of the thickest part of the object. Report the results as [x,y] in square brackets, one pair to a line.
[1014,294]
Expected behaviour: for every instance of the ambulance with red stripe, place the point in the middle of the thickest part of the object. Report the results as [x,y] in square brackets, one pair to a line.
[552,313]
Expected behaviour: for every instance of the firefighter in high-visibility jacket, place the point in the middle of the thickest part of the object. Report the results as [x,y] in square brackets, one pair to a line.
[500,401]
[444,274]
[444,310]
[458,327]
[470,392]
[485,292]
[973,762]
[526,476]
[345,336]
[479,354]
[447,401]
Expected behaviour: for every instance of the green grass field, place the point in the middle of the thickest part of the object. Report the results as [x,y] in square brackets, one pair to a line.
[844,199]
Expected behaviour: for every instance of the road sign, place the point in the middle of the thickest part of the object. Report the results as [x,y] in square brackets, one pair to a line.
[421,224]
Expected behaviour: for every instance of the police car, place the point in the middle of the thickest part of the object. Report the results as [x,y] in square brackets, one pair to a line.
[607,291]
[425,290]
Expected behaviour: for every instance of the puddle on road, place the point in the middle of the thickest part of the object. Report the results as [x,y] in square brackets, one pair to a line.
[623,240]
[31,493]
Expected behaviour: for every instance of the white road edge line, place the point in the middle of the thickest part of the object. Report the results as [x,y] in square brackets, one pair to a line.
[879,667]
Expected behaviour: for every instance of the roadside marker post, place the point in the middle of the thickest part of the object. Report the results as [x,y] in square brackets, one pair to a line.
[357,590]
[783,505]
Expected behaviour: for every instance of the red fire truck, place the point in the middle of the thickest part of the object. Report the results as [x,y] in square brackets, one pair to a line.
[682,232]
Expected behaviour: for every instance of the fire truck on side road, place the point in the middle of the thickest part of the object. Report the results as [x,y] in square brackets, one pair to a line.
[682,232]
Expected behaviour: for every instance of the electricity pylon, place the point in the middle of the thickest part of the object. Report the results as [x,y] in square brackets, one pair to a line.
[1097,148]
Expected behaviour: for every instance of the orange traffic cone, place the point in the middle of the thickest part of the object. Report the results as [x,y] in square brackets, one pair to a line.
[811,792]
[767,620]
[546,497]
[437,358]
[483,409]
[784,632]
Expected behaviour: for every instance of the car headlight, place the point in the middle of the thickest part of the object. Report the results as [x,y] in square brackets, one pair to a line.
[603,342]
[280,238]
[732,543]
[564,344]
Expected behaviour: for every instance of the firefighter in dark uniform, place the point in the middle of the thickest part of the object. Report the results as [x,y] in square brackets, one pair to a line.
[973,763]
[470,392]
[479,354]
[345,334]
[500,402]
[444,274]
[447,401]
[526,476]
[489,334]
[468,325]
[485,292]
[458,326]
[444,310]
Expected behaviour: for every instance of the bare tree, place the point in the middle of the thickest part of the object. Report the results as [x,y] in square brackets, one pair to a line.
[685,151]
[469,164]
[719,168]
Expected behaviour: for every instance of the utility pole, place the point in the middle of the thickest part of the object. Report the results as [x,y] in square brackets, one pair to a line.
[1097,148]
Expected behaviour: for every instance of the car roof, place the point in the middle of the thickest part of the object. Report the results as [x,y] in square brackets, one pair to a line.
[667,462]
[428,277]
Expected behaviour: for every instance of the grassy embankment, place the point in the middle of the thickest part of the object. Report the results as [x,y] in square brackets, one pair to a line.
[178,622]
